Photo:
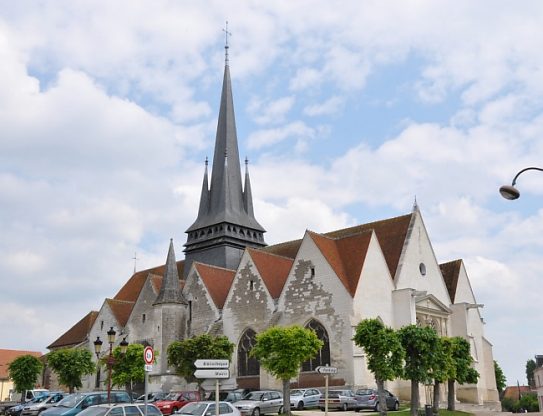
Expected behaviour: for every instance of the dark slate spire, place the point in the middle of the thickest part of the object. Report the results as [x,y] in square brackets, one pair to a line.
[247,193]
[170,292]
[204,198]
[228,225]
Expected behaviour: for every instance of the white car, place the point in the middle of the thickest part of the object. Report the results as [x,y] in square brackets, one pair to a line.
[303,398]
[121,409]
[44,402]
[207,408]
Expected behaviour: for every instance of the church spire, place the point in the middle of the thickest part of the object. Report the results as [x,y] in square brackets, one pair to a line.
[247,193]
[170,292]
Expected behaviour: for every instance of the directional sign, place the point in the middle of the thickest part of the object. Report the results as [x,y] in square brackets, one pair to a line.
[326,370]
[212,373]
[211,363]
[148,355]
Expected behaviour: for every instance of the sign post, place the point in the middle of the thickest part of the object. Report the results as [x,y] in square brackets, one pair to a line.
[216,369]
[326,370]
[149,359]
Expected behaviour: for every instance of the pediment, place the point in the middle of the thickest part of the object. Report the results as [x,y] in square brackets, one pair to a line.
[431,305]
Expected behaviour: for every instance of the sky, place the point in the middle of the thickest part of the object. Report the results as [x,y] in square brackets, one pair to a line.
[346,110]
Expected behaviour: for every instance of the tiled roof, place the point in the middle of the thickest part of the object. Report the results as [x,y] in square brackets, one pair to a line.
[345,255]
[451,272]
[121,310]
[513,392]
[287,249]
[7,356]
[77,333]
[273,269]
[217,280]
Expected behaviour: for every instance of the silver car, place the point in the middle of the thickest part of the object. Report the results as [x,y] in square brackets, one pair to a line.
[304,398]
[207,408]
[261,402]
[369,399]
[339,400]
[43,402]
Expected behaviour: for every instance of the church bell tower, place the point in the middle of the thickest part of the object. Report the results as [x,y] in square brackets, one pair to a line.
[226,223]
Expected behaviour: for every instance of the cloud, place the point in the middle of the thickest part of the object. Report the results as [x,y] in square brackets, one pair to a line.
[331,106]
[297,130]
[271,112]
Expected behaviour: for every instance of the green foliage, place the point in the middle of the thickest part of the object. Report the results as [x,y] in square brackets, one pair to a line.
[463,361]
[421,347]
[530,367]
[528,402]
[128,368]
[282,350]
[24,371]
[183,354]
[70,364]
[383,349]
[500,377]
[444,368]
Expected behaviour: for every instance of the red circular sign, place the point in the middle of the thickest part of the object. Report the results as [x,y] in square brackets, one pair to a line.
[148,355]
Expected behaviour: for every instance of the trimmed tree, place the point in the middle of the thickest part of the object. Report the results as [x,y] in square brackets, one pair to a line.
[420,345]
[384,354]
[70,365]
[183,354]
[24,371]
[128,368]
[443,369]
[282,350]
[530,367]
[500,378]
[462,371]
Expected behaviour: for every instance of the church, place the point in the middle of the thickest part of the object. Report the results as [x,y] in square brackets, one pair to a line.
[232,283]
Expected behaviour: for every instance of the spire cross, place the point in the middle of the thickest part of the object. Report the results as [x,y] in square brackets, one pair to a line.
[135,258]
[226,34]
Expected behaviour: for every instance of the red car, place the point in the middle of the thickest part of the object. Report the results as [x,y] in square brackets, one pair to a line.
[176,400]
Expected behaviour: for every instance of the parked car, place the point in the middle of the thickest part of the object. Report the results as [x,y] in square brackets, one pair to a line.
[369,399]
[73,404]
[17,410]
[340,400]
[176,400]
[226,396]
[303,398]
[151,397]
[35,408]
[121,409]
[207,408]
[261,402]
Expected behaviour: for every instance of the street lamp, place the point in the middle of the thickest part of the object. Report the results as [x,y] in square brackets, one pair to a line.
[110,360]
[509,191]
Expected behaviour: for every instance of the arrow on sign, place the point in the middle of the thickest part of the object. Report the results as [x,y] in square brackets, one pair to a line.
[211,363]
[212,373]
[326,370]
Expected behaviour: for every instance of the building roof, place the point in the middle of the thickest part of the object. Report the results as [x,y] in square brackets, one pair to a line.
[121,309]
[7,356]
[170,292]
[273,269]
[217,281]
[513,392]
[77,333]
[451,272]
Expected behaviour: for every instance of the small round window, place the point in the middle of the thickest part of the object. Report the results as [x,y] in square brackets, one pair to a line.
[422,269]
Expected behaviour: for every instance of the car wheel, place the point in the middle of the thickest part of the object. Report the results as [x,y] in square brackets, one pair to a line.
[174,410]
[300,405]
[256,412]
[345,407]
[376,408]
[280,410]
[396,406]
[322,409]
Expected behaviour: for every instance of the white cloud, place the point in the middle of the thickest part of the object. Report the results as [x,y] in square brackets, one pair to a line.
[271,112]
[331,106]
[297,130]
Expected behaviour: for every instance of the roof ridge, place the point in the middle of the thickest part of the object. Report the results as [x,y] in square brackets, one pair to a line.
[119,300]
[268,253]
[196,263]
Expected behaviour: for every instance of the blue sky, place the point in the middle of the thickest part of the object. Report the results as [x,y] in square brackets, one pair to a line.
[108,110]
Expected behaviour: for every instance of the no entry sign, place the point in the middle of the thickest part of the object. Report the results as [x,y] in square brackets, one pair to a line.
[148,355]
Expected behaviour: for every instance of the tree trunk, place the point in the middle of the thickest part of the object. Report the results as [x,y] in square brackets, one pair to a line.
[382,399]
[437,397]
[415,402]
[450,394]
[286,397]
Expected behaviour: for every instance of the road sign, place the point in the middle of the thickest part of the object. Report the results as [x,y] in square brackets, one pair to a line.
[211,363]
[326,370]
[148,367]
[148,355]
[212,373]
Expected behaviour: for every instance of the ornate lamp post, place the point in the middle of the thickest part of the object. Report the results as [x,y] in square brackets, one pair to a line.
[110,359]
[509,191]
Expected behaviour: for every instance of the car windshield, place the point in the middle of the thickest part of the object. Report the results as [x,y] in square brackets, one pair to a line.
[296,392]
[71,400]
[41,399]
[194,408]
[254,395]
[171,396]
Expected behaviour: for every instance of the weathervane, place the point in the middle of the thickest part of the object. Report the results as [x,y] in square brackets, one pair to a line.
[135,258]
[226,34]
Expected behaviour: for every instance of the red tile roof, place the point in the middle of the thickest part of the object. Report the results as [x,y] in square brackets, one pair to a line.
[217,280]
[513,392]
[7,356]
[451,272]
[273,269]
[77,333]
[121,310]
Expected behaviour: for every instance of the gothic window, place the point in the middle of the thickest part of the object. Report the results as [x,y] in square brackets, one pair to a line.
[323,356]
[247,366]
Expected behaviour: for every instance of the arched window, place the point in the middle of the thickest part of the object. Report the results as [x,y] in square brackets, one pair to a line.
[247,366]
[323,356]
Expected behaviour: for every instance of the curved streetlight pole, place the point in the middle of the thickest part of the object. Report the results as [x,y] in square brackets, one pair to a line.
[509,191]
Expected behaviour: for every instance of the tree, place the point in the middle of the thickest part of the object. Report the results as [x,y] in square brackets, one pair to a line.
[462,371]
[70,364]
[183,354]
[420,345]
[384,354]
[282,350]
[530,367]
[24,371]
[128,368]
[500,378]
[443,369]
